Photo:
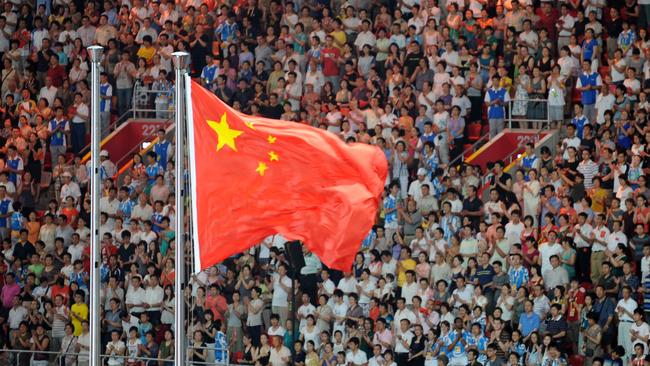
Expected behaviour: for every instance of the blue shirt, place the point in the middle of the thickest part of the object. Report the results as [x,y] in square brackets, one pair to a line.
[57,138]
[105,90]
[126,207]
[221,348]
[588,48]
[518,276]
[153,171]
[16,221]
[5,204]
[588,97]
[391,217]
[528,323]
[496,111]
[481,343]
[369,239]
[227,32]
[156,220]
[14,164]
[580,123]
[209,73]
[162,151]
[449,225]
[459,349]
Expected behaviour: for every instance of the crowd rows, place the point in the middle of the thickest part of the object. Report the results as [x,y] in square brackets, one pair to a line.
[545,264]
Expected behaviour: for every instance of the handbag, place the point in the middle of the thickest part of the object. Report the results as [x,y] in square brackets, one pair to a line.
[62,356]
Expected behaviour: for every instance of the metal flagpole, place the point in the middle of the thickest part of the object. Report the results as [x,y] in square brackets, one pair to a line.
[180,60]
[95,53]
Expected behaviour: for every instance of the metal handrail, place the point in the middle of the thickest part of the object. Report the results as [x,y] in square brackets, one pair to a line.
[510,119]
[86,149]
[60,354]
[131,113]
[473,147]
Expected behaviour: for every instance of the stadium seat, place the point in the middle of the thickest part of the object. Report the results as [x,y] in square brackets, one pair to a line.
[474,132]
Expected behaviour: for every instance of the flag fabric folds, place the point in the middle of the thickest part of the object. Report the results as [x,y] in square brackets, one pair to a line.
[254,177]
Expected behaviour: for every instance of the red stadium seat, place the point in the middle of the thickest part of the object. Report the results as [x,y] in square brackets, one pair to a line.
[474,132]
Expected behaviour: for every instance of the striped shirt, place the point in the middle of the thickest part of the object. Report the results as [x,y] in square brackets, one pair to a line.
[589,170]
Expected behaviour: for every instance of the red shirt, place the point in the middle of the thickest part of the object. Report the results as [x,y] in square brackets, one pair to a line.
[576,298]
[63,291]
[329,57]
[57,74]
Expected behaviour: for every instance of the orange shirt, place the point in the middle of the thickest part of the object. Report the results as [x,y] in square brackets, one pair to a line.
[33,229]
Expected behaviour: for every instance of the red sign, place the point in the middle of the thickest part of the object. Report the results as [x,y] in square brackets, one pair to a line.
[124,140]
[503,145]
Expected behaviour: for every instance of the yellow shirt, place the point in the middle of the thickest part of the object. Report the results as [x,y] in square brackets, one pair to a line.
[598,198]
[407,265]
[81,310]
[146,53]
[506,83]
[340,38]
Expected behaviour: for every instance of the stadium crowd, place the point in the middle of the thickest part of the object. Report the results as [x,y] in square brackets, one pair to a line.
[551,268]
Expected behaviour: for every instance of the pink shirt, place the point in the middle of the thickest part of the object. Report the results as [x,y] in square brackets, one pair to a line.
[8,293]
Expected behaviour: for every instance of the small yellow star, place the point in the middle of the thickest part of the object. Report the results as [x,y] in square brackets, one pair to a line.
[272,139]
[250,125]
[225,134]
[261,168]
[273,156]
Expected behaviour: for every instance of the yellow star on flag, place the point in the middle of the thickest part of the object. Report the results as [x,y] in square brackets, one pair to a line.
[273,156]
[225,134]
[250,125]
[272,139]
[261,168]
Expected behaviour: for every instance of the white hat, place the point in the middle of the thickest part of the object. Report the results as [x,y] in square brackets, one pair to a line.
[103,153]
[66,174]
[422,171]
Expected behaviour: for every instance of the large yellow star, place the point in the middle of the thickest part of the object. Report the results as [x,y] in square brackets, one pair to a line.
[273,156]
[225,134]
[261,168]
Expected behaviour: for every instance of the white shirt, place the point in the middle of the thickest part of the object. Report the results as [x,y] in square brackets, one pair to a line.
[570,142]
[569,22]
[601,233]
[305,310]
[614,238]
[546,251]
[70,189]
[513,232]
[408,291]
[135,297]
[586,230]
[415,189]
[154,295]
[643,330]
[49,93]
[357,358]
[16,315]
[466,295]
[399,347]
[82,108]
[279,294]
[603,103]
[365,38]
[348,286]
[401,315]
[629,305]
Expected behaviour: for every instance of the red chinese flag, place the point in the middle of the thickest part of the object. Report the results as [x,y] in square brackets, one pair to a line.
[254,177]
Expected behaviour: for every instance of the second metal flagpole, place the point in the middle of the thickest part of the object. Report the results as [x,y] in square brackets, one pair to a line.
[95,53]
[180,60]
